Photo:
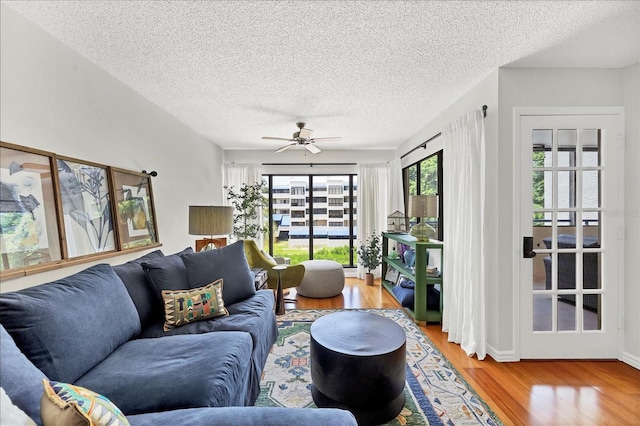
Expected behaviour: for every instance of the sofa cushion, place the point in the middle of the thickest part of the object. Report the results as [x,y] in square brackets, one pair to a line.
[246,416]
[139,287]
[146,375]
[19,378]
[65,404]
[184,306]
[66,327]
[228,263]
[167,273]
[254,315]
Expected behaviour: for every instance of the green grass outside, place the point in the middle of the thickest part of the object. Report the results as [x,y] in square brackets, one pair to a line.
[299,254]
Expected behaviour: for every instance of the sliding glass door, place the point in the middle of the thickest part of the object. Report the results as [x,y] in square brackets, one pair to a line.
[312,217]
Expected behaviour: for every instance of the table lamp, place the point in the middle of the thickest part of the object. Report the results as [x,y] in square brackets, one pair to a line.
[422,207]
[212,221]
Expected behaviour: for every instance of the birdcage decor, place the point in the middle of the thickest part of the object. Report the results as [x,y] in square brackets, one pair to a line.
[397,223]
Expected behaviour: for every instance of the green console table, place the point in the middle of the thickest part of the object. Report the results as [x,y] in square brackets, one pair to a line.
[421,314]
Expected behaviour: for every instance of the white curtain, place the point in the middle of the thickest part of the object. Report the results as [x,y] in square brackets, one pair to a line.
[374,189]
[463,269]
[237,174]
[396,194]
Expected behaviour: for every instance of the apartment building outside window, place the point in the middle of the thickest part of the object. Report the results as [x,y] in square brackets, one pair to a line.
[304,231]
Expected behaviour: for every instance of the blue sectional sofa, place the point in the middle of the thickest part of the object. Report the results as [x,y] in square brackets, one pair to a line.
[104,329]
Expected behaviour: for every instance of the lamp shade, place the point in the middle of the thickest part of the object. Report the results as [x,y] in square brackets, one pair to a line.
[423,206]
[210,220]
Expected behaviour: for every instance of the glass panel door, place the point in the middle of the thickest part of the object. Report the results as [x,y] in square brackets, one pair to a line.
[566,310]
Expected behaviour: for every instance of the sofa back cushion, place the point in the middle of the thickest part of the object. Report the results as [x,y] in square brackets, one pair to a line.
[68,326]
[20,379]
[166,273]
[139,288]
[228,263]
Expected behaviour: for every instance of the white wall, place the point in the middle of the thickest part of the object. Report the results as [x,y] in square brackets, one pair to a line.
[631,350]
[484,93]
[562,87]
[55,100]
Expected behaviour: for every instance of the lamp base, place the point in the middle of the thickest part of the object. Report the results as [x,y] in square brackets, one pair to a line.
[201,245]
[423,231]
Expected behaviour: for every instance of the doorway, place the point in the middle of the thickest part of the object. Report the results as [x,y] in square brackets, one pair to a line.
[571,171]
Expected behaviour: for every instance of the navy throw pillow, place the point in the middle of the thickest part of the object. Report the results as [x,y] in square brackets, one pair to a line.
[143,295]
[228,263]
[167,273]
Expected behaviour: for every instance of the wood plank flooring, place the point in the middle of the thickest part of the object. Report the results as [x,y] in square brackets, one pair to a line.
[525,392]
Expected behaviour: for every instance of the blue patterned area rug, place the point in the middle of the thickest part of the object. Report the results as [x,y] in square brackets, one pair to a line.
[436,394]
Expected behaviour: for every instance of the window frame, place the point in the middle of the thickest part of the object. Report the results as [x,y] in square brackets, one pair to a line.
[419,190]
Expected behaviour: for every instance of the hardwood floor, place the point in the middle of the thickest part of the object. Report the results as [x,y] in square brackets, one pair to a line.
[525,392]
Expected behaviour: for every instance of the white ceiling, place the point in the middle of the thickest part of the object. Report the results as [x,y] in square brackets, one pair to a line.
[372,72]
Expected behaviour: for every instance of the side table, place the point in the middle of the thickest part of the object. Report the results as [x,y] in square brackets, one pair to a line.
[279,295]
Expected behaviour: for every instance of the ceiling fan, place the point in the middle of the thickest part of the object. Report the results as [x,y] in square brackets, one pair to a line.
[303,138]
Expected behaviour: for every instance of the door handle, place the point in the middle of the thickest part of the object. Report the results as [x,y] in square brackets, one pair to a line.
[527,248]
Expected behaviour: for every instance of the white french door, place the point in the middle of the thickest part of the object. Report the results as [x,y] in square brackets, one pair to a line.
[571,179]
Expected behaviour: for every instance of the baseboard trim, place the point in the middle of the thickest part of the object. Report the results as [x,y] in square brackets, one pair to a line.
[631,359]
[502,356]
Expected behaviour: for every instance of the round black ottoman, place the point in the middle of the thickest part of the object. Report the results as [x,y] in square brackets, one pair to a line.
[358,363]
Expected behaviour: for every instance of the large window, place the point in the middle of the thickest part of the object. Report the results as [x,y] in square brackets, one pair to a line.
[304,231]
[425,177]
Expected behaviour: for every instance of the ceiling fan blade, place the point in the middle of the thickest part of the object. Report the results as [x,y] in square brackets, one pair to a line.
[305,133]
[286,147]
[312,148]
[334,139]
[268,138]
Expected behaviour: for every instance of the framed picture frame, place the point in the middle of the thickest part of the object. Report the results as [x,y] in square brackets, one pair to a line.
[29,225]
[85,202]
[134,209]
[392,275]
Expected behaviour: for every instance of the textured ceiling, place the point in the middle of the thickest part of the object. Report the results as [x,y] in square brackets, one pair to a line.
[372,72]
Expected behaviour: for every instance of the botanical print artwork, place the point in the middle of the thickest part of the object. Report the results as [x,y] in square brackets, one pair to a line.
[134,212]
[86,208]
[28,228]
[137,210]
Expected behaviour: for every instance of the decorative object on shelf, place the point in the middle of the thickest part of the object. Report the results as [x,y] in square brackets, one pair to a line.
[248,203]
[394,253]
[410,257]
[397,223]
[423,207]
[212,221]
[135,212]
[370,256]
[392,275]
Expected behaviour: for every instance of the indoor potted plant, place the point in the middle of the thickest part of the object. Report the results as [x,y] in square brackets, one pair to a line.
[248,202]
[370,255]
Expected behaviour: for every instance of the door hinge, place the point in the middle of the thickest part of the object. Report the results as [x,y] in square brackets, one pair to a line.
[620,321]
[620,140]
[621,232]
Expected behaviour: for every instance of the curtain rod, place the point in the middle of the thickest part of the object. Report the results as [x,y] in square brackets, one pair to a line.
[310,164]
[424,144]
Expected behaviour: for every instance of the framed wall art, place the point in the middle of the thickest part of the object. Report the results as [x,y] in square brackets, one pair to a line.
[392,275]
[86,207]
[29,228]
[135,213]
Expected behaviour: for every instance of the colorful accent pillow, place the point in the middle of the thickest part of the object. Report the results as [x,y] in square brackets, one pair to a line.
[65,404]
[184,306]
